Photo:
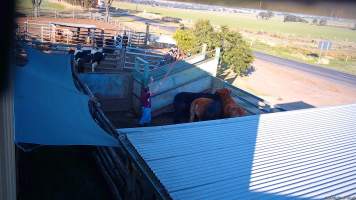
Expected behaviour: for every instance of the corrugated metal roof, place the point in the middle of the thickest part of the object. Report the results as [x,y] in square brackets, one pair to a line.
[304,154]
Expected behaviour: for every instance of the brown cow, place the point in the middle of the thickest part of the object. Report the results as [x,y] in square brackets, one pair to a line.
[198,108]
[230,107]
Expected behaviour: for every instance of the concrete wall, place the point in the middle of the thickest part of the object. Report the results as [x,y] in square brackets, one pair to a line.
[193,79]
[210,66]
[112,89]
[184,76]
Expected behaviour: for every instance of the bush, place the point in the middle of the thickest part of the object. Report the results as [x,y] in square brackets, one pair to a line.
[315,21]
[186,41]
[323,22]
[265,15]
[171,19]
[205,34]
[293,18]
[354,28]
[235,53]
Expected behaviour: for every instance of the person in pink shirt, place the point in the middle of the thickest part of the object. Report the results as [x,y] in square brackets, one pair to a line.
[146,106]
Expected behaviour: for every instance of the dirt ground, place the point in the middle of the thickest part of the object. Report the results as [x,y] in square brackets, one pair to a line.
[280,85]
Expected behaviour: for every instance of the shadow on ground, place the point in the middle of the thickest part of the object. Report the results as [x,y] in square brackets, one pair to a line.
[59,173]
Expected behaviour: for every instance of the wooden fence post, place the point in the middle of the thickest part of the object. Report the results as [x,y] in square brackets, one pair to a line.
[203,50]
[93,38]
[41,33]
[217,54]
[147,34]
[103,38]
[26,29]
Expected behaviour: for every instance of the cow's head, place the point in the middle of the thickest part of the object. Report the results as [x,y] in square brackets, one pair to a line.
[223,92]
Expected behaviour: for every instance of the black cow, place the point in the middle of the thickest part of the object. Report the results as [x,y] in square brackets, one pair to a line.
[183,100]
[214,110]
[94,57]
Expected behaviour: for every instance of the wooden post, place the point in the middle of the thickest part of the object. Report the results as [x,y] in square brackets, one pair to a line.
[53,33]
[78,32]
[26,29]
[41,33]
[93,37]
[217,58]
[203,50]
[217,53]
[73,14]
[147,33]
[102,37]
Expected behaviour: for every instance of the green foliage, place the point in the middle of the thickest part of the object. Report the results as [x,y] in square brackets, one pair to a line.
[83,3]
[204,32]
[186,40]
[236,54]
[323,22]
[315,21]
[265,15]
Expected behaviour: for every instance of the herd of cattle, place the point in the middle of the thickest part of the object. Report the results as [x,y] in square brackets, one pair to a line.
[205,106]
[92,56]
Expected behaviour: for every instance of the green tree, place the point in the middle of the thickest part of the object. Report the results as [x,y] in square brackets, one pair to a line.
[36,7]
[186,40]
[236,54]
[205,34]
[107,9]
[315,21]
[323,22]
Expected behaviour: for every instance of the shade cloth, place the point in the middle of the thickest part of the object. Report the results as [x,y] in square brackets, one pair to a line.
[48,108]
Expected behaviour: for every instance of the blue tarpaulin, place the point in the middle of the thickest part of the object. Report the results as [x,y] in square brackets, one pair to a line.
[48,108]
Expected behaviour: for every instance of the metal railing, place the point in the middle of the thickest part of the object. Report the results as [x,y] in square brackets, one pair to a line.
[51,32]
[93,14]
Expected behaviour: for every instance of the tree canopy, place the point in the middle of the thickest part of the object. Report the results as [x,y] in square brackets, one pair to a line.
[235,53]
[186,40]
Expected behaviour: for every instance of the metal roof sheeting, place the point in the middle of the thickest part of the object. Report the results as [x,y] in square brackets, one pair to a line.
[304,154]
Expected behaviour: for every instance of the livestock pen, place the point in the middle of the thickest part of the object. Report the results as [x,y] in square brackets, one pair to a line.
[285,155]
[117,93]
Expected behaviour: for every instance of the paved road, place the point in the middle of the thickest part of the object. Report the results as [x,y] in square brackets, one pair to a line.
[332,75]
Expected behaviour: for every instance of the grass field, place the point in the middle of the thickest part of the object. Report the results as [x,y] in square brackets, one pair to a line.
[292,31]
[27,4]
[347,66]
[242,21]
